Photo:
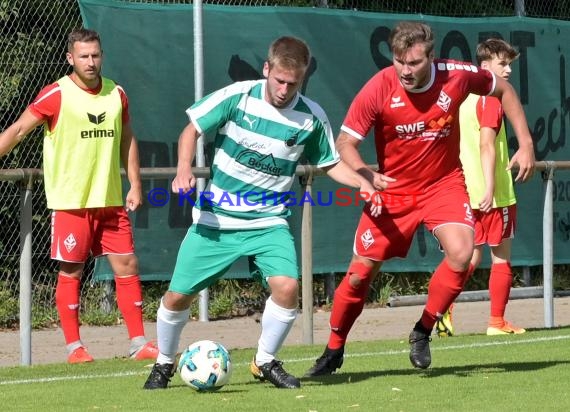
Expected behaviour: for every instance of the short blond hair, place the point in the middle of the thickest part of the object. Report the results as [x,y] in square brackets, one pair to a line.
[290,53]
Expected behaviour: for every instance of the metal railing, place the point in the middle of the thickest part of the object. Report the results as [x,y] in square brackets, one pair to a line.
[26,177]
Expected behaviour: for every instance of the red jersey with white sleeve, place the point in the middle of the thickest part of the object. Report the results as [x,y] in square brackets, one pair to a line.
[47,103]
[490,113]
[416,132]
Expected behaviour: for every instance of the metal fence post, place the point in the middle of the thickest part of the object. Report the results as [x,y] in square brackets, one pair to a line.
[107,301]
[203,296]
[307,259]
[520,8]
[548,245]
[26,269]
[330,286]
[526,275]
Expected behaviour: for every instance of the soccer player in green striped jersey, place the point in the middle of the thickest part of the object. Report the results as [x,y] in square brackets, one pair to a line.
[261,129]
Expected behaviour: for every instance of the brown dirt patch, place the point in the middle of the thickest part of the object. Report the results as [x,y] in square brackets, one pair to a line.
[243,332]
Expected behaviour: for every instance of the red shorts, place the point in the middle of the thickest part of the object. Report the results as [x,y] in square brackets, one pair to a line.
[493,227]
[100,231]
[390,234]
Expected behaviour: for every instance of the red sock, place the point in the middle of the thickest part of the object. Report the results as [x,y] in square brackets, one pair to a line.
[500,282]
[347,305]
[67,304]
[129,301]
[445,285]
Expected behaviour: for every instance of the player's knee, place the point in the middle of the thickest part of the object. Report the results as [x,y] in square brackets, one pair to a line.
[71,269]
[126,265]
[289,289]
[131,265]
[284,291]
[354,280]
[176,301]
[459,259]
[463,263]
[359,275]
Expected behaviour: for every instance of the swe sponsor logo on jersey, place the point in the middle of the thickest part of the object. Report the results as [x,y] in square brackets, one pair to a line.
[410,130]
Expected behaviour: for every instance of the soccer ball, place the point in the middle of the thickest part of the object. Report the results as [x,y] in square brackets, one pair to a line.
[205,366]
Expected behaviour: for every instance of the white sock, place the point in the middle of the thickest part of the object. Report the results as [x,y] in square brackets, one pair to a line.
[136,344]
[73,345]
[276,323]
[169,325]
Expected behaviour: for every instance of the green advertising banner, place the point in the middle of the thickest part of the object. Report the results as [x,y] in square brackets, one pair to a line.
[149,50]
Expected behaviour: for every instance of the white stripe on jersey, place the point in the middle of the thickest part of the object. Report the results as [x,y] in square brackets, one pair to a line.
[45,96]
[240,204]
[201,217]
[351,132]
[320,114]
[260,108]
[214,100]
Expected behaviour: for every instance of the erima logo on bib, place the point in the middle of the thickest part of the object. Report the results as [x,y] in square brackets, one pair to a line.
[96,118]
[97,133]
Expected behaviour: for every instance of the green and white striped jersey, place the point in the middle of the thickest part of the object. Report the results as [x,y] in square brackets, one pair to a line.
[257,148]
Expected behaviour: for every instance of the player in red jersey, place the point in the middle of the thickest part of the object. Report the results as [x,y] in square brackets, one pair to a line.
[484,157]
[87,135]
[413,108]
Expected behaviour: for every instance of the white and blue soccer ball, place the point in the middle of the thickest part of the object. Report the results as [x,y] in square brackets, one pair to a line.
[205,366]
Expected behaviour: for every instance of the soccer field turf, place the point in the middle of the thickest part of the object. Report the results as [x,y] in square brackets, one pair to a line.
[468,373]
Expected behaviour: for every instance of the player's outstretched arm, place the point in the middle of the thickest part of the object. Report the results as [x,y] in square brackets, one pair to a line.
[131,163]
[187,142]
[14,134]
[488,158]
[347,147]
[524,156]
[344,174]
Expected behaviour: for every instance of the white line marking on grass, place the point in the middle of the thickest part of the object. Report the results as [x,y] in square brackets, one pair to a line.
[505,342]
[351,355]
[443,348]
[70,378]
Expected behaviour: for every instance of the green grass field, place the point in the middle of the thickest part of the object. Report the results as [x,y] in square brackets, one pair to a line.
[469,373]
